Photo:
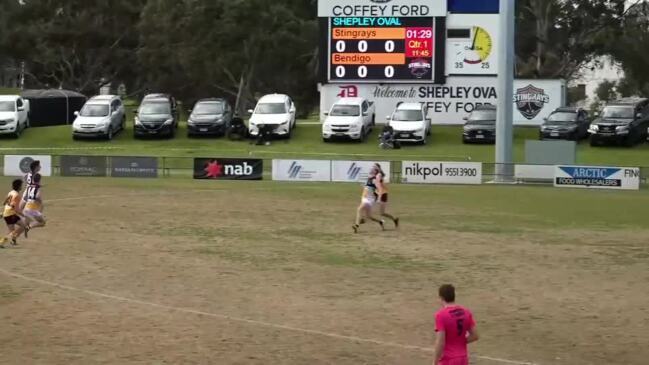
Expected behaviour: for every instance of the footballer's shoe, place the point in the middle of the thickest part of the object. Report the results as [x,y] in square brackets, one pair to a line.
[396,222]
[27,228]
[14,242]
[382,224]
[355,227]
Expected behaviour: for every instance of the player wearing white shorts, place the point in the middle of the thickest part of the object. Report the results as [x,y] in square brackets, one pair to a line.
[34,169]
[33,211]
[368,199]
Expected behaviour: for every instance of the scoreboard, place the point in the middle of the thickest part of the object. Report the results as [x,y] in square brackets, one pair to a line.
[382,49]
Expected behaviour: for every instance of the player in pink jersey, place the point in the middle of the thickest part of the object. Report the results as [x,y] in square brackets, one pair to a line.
[455,329]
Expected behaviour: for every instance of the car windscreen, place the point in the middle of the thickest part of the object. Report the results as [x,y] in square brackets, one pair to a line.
[208,109]
[618,112]
[563,117]
[271,108]
[7,106]
[345,111]
[482,117]
[155,108]
[407,116]
[94,110]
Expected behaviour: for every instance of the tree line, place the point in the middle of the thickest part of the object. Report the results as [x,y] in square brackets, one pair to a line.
[243,48]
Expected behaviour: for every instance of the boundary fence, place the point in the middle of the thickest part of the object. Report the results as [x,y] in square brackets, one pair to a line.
[440,172]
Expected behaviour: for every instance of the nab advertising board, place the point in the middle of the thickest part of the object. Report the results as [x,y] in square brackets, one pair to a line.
[590,177]
[228,169]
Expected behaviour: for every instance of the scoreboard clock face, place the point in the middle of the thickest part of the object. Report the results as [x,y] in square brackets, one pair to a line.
[391,49]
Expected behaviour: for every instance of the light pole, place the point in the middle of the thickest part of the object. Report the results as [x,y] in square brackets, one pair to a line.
[505,117]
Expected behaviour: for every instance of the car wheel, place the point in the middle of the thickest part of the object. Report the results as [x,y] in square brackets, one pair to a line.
[75,138]
[361,139]
[123,124]
[109,134]
[28,123]
[424,141]
[18,132]
[326,140]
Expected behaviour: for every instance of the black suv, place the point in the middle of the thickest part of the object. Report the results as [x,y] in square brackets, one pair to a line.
[566,123]
[481,125]
[209,117]
[157,116]
[624,121]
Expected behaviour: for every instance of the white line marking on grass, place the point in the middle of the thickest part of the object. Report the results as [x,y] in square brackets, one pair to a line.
[58,148]
[242,320]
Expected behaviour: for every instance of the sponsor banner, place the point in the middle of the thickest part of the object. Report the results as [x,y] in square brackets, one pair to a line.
[591,177]
[448,104]
[381,8]
[145,167]
[83,166]
[18,165]
[228,169]
[420,172]
[301,170]
[356,171]
[534,172]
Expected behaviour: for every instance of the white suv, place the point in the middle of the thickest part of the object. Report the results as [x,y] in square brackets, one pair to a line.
[14,115]
[410,123]
[101,116]
[276,111]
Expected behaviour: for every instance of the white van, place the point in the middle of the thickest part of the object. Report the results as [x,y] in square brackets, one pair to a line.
[14,115]
[276,111]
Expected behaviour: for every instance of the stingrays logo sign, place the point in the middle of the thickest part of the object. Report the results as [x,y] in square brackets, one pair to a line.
[597,177]
[530,101]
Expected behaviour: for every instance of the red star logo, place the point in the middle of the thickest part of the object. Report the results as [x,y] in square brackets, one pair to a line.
[213,170]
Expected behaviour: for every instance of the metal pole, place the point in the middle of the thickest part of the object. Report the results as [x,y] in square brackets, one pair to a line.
[505,117]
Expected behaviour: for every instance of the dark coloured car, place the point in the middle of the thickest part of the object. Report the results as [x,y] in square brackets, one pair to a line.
[566,123]
[210,117]
[480,125]
[621,122]
[157,116]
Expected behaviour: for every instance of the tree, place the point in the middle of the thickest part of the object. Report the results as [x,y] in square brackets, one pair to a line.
[75,44]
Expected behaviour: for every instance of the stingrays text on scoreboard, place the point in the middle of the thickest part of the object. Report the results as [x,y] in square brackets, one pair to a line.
[383,40]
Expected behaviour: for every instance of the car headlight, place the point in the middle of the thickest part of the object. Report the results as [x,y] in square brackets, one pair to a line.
[190,122]
[544,127]
[137,121]
[594,127]
[169,121]
[285,123]
[355,128]
[622,128]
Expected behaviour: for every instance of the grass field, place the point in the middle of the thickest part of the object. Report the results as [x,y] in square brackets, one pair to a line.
[178,271]
[446,146]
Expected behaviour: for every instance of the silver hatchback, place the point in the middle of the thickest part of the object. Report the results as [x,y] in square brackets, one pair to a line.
[102,116]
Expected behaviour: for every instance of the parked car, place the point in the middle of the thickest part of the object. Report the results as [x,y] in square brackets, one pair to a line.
[276,111]
[566,123]
[209,117]
[14,115]
[102,116]
[157,116]
[410,123]
[624,121]
[480,125]
[349,118]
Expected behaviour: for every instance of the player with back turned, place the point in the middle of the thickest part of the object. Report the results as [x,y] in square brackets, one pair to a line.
[455,328]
